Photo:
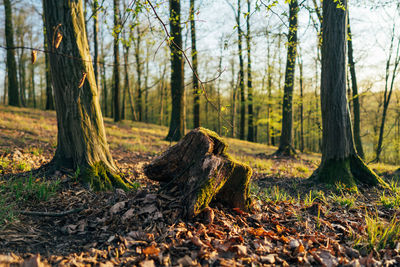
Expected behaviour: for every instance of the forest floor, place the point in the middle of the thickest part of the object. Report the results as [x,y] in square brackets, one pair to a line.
[293,221]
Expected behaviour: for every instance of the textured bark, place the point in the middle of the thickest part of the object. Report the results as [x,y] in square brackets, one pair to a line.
[340,162]
[95,7]
[13,93]
[286,140]
[202,171]
[139,75]
[301,106]
[356,98]
[49,89]
[177,125]
[250,129]
[116,82]
[196,94]
[241,76]
[82,140]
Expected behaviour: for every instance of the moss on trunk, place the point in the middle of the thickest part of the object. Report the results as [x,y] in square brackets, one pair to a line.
[100,177]
[349,171]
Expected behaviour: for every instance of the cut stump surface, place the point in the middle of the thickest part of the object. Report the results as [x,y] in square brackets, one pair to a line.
[200,170]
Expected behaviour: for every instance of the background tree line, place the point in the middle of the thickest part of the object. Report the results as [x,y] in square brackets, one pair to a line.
[244,71]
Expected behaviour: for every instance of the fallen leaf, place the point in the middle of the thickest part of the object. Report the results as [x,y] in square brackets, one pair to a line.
[117,207]
[152,250]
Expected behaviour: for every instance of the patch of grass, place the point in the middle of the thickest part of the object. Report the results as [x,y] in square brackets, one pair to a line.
[23,166]
[6,212]
[275,194]
[345,199]
[36,151]
[4,163]
[28,189]
[380,234]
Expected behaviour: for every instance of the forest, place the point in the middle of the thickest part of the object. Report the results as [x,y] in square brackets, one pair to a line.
[200,133]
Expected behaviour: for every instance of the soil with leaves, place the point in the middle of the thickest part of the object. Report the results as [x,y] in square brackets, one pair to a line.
[55,220]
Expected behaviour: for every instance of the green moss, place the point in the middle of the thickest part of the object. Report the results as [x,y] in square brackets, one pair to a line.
[350,172]
[220,146]
[100,178]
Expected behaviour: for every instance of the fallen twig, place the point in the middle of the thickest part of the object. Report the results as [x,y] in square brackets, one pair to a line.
[50,214]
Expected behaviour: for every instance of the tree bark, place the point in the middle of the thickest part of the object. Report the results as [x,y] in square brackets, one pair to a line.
[340,162]
[95,8]
[196,93]
[286,140]
[241,76]
[49,89]
[177,125]
[198,169]
[139,75]
[250,129]
[13,93]
[116,82]
[356,98]
[82,143]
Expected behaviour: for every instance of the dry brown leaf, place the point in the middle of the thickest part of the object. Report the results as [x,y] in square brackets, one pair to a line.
[82,81]
[152,250]
[58,40]
[33,56]
[117,207]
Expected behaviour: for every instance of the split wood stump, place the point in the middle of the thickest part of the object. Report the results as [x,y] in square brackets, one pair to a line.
[201,170]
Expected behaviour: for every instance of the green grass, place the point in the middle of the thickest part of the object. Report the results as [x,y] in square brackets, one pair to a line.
[380,234]
[20,190]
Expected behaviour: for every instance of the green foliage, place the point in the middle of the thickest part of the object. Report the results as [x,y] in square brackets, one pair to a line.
[275,194]
[380,234]
[345,199]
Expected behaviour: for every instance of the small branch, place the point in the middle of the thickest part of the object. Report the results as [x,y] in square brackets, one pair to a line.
[50,214]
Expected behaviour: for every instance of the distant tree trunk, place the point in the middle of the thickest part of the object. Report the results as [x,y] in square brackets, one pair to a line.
[285,142]
[82,140]
[126,81]
[13,94]
[177,125]
[250,130]
[146,86]
[233,100]
[241,76]
[196,93]
[356,98]
[139,75]
[301,106]
[340,162]
[388,91]
[95,7]
[269,91]
[49,89]
[22,76]
[5,89]
[115,81]
[33,89]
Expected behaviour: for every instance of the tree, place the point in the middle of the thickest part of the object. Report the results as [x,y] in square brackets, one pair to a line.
[285,142]
[356,98]
[95,8]
[82,143]
[241,76]
[13,94]
[250,129]
[340,161]
[177,125]
[49,89]
[196,95]
[116,83]
[389,85]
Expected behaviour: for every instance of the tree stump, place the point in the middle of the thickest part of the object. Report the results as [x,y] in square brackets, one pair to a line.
[200,170]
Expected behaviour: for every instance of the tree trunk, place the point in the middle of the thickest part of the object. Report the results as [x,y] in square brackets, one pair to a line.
[286,140]
[301,106]
[82,143]
[115,81]
[22,76]
[340,162]
[177,125]
[241,76]
[196,93]
[139,75]
[198,169]
[95,7]
[356,98]
[250,129]
[33,89]
[13,94]
[49,89]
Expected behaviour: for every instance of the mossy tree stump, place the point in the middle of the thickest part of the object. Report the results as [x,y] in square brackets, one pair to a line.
[200,168]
